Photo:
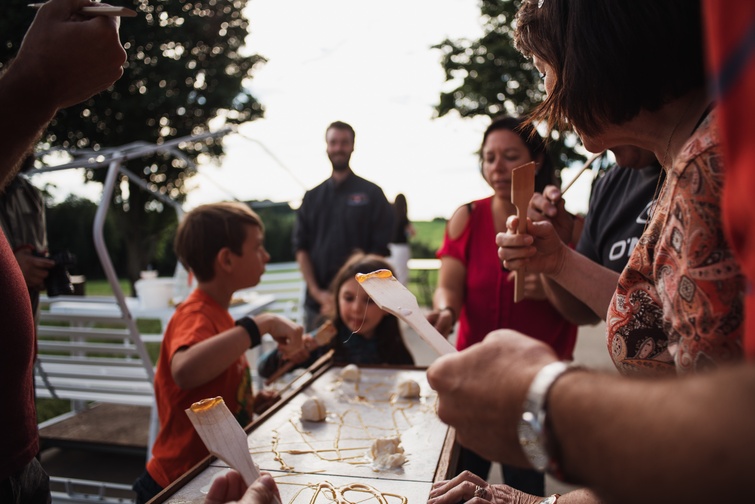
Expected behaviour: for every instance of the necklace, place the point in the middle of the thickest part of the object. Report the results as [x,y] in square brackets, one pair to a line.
[655,204]
[673,132]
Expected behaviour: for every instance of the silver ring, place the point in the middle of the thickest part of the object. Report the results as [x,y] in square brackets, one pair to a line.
[481,492]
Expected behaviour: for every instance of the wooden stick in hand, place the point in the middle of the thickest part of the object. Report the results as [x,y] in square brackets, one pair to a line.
[522,189]
[584,168]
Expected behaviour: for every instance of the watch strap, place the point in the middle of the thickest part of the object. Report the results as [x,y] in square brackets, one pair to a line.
[534,415]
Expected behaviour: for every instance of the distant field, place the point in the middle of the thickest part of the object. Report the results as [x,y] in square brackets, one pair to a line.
[430,235]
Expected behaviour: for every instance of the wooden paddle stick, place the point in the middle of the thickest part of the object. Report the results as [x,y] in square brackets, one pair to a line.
[522,189]
[584,168]
[223,436]
[322,337]
[390,295]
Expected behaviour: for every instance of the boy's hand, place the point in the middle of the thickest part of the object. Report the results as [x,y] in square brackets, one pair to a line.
[287,334]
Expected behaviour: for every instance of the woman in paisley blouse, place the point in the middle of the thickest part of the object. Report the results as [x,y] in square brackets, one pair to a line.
[678,305]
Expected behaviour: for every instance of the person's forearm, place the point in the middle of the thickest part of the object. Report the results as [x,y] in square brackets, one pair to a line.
[207,359]
[579,496]
[591,283]
[676,440]
[568,305]
[30,113]
[307,271]
[444,297]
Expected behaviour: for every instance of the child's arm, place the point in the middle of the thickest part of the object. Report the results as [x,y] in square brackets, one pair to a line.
[198,364]
[287,334]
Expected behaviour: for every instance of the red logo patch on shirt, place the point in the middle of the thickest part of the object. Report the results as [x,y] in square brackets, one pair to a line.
[358,199]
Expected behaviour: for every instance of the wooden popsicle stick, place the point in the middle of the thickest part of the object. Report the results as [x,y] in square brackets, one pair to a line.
[584,168]
[522,189]
[391,295]
[99,10]
[223,436]
[323,336]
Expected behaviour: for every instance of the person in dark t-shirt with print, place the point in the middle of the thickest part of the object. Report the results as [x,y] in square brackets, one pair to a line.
[620,206]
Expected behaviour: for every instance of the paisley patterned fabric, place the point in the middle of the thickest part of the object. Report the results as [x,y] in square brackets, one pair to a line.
[678,307]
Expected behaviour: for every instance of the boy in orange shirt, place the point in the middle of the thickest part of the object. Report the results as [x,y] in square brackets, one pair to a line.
[202,354]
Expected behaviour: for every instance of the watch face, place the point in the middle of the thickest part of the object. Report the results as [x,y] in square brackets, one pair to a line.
[549,500]
[532,446]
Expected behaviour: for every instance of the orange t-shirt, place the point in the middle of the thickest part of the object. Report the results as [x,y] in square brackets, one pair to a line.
[178,447]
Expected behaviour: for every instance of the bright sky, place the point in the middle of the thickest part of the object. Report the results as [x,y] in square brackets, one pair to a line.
[372,66]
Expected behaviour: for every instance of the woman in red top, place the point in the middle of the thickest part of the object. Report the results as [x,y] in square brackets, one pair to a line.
[473,284]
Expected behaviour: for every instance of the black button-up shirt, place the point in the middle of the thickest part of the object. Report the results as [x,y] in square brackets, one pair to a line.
[334,220]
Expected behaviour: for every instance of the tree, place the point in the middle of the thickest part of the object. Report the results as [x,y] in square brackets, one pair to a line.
[494,78]
[185,67]
[69,228]
[279,228]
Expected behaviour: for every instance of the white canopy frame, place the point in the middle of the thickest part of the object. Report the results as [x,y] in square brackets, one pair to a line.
[114,158]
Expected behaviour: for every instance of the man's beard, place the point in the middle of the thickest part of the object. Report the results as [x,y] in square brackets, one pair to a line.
[340,164]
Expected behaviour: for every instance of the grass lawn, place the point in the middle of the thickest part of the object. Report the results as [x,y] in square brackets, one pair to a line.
[101,287]
[430,233]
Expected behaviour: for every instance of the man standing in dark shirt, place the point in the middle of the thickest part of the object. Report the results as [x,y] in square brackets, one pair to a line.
[343,214]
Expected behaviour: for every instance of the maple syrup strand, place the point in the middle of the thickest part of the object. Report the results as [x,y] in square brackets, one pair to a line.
[338,494]
[364,317]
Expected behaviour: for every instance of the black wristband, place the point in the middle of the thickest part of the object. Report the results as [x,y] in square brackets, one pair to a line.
[250,325]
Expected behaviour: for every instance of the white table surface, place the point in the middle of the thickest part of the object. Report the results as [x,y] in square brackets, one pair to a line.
[424,264]
[358,413]
[104,306]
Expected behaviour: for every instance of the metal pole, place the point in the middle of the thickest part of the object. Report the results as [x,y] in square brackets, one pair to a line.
[107,264]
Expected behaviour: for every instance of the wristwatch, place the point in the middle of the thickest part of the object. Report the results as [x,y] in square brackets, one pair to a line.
[551,499]
[532,423]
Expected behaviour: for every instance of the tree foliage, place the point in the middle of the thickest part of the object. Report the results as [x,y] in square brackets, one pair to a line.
[69,227]
[279,227]
[185,67]
[491,77]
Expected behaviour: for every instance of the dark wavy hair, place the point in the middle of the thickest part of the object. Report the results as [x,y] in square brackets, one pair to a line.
[546,172]
[612,59]
[391,347]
